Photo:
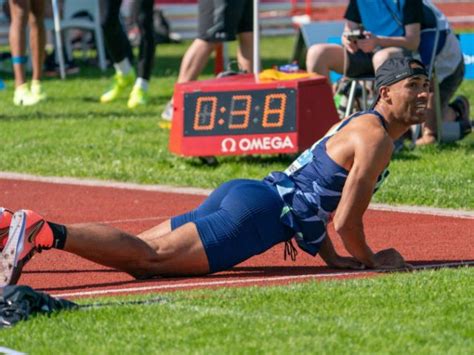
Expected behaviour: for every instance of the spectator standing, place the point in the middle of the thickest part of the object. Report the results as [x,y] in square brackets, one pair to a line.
[23,13]
[218,21]
[120,50]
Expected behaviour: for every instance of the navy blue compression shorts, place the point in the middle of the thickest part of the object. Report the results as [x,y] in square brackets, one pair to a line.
[240,219]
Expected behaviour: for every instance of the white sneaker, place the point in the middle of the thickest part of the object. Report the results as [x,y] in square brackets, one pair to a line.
[167,113]
[24,97]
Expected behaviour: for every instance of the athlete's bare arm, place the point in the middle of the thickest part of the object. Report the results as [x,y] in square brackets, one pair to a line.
[367,150]
[334,260]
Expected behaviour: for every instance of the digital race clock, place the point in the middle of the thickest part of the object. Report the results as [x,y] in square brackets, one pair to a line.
[235,115]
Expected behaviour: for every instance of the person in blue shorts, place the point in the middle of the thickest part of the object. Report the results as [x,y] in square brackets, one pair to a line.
[332,181]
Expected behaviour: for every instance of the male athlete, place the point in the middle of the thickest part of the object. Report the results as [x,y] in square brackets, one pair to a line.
[334,179]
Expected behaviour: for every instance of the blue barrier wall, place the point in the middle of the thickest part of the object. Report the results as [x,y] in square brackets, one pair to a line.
[467,46]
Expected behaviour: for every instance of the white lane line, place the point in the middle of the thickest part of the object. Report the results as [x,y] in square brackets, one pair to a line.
[105,183]
[444,212]
[204,192]
[202,284]
[8,351]
[140,219]
[255,280]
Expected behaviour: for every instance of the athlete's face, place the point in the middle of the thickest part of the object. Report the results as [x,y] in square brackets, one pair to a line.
[409,99]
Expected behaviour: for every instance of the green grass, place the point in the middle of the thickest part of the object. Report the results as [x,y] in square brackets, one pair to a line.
[420,313]
[73,135]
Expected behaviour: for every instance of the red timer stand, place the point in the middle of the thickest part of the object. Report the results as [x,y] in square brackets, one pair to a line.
[235,115]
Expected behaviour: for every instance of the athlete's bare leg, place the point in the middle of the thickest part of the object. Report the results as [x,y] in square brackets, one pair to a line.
[179,252]
[19,18]
[245,52]
[149,236]
[194,60]
[37,37]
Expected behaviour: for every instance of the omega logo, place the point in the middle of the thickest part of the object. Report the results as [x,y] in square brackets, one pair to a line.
[250,144]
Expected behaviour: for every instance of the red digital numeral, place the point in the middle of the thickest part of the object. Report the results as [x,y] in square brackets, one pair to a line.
[279,110]
[202,114]
[247,101]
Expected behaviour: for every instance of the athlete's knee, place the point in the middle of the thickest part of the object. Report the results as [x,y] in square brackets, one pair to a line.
[144,268]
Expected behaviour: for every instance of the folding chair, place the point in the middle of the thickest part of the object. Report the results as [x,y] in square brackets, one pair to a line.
[72,7]
[314,33]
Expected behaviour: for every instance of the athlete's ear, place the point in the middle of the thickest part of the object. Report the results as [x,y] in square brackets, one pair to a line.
[385,94]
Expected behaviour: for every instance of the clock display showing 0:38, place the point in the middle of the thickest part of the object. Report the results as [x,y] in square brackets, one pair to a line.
[240,112]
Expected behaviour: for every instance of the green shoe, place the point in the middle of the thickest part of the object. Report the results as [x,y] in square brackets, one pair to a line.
[138,97]
[121,82]
[24,97]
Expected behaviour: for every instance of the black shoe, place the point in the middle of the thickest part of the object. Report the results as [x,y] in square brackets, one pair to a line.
[461,106]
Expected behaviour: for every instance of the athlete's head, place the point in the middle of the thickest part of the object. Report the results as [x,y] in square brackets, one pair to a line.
[402,87]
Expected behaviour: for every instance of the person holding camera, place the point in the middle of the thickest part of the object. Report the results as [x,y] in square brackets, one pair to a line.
[377,30]
[374,31]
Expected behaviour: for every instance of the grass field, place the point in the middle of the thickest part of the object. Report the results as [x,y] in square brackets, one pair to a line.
[422,313]
[73,135]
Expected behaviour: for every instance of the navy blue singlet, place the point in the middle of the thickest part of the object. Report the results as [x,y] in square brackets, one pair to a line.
[311,189]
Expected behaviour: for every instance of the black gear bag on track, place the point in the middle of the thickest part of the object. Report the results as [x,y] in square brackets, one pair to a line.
[18,303]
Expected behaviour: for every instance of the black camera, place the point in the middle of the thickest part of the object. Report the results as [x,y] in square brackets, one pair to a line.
[354,35]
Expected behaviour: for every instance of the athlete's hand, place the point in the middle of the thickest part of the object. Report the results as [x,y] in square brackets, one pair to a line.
[391,259]
[346,262]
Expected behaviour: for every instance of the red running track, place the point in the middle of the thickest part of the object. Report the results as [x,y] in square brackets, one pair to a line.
[423,239]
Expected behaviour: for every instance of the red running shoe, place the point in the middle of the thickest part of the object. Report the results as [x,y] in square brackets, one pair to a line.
[5,219]
[29,233]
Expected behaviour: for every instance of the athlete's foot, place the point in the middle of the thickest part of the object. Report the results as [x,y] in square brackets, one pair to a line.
[167,113]
[5,220]
[29,233]
[120,84]
[138,97]
[24,97]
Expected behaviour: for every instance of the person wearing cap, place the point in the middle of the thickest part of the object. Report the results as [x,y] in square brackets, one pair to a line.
[333,180]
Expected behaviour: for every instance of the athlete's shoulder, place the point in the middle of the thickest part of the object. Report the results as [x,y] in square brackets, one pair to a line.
[370,132]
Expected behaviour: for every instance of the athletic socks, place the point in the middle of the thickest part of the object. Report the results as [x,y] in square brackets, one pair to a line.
[142,84]
[123,67]
[59,235]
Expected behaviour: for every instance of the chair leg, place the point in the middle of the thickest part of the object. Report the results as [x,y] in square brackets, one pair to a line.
[350,101]
[364,96]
